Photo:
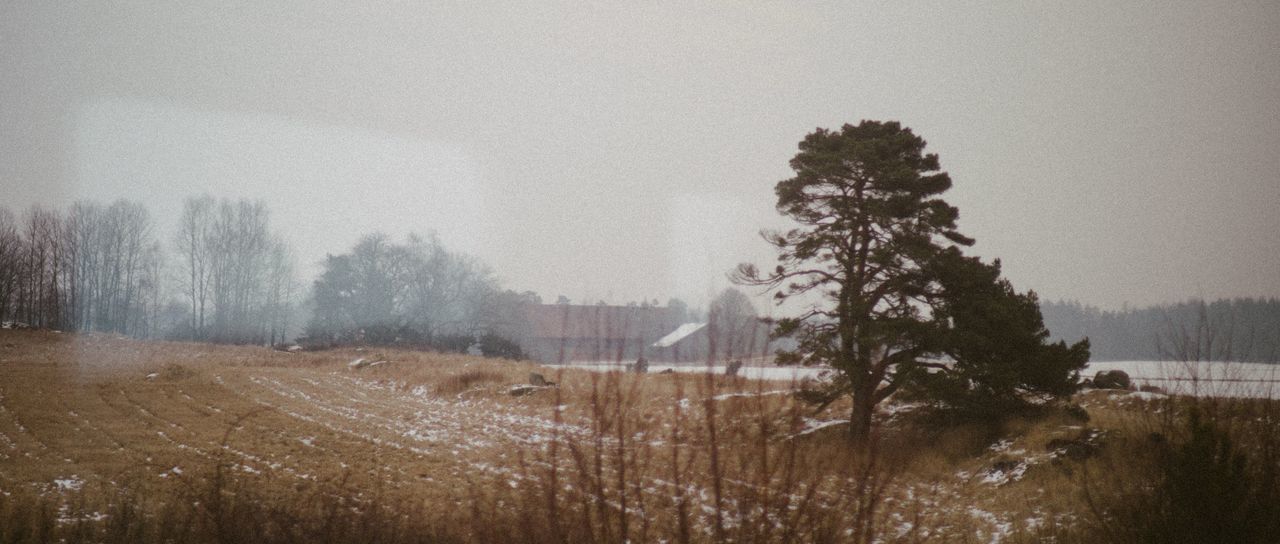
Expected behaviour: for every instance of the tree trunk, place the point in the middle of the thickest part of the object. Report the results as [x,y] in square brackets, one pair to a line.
[860,416]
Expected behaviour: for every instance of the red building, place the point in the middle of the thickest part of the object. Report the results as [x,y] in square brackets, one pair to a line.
[560,333]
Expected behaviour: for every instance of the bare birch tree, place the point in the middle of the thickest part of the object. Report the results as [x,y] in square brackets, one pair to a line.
[10,262]
[192,243]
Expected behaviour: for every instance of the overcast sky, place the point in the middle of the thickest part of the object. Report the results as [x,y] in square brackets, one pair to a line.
[1110,152]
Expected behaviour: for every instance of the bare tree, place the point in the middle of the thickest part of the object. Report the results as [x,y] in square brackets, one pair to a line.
[449,292]
[39,298]
[1209,347]
[414,291]
[104,252]
[281,290]
[152,291]
[737,329]
[82,231]
[225,248]
[10,262]
[192,242]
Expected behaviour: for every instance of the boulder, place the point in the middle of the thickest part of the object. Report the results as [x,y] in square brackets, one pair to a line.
[522,390]
[732,368]
[1112,379]
[538,380]
[363,363]
[1083,446]
[641,366]
[1076,412]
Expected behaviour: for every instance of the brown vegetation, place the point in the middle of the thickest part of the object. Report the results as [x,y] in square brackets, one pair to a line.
[111,440]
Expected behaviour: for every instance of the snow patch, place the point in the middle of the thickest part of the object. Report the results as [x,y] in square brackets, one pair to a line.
[813,425]
[74,483]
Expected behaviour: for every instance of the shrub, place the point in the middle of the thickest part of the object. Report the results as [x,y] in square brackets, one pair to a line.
[492,345]
[1202,485]
[461,382]
[452,343]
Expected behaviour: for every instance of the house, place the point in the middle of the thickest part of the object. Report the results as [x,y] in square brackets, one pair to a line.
[564,333]
[561,333]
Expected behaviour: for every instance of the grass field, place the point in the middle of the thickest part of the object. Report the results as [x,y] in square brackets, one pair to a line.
[96,431]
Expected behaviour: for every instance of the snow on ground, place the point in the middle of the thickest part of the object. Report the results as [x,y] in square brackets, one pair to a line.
[778,373]
[1214,379]
[814,425]
[1205,379]
[73,483]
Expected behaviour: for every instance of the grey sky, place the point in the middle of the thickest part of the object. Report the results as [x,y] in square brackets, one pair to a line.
[1107,152]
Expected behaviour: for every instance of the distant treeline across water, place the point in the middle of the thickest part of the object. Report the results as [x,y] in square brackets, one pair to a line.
[1242,329]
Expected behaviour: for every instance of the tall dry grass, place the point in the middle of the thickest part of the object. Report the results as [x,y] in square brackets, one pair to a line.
[606,458]
[712,467]
[1183,470]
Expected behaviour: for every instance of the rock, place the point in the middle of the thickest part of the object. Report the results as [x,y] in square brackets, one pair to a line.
[1072,449]
[668,371]
[1076,412]
[1004,465]
[364,363]
[1151,389]
[1085,445]
[641,366]
[1112,379]
[732,368]
[522,390]
[538,380]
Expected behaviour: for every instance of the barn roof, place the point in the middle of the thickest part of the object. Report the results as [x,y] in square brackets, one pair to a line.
[681,332]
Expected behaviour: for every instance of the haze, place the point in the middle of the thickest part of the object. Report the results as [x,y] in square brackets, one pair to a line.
[1107,153]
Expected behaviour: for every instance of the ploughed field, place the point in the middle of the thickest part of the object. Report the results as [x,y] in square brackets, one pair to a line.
[94,411]
[442,439]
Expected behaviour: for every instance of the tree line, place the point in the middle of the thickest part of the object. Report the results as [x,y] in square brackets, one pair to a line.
[224,276]
[91,267]
[1241,329]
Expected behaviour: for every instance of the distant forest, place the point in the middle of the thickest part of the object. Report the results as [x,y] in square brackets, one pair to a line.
[1242,329]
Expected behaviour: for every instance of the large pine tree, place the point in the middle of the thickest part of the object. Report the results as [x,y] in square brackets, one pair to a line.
[871,228]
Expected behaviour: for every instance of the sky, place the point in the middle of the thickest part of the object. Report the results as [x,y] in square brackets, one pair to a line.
[1112,153]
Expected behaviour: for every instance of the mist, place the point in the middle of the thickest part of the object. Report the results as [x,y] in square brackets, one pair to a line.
[551,271]
[1106,154]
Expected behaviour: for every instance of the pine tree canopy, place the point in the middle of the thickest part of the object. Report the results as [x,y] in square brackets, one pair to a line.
[878,249]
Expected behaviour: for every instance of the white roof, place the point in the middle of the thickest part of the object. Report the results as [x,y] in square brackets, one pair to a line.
[679,334]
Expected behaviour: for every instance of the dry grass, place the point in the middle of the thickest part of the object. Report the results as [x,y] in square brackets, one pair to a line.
[95,430]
